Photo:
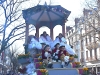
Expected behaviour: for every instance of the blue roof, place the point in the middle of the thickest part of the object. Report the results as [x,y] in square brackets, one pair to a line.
[46,15]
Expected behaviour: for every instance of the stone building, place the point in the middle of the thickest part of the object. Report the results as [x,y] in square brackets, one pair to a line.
[85,38]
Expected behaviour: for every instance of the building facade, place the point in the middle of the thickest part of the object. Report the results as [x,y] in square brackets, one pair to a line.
[85,38]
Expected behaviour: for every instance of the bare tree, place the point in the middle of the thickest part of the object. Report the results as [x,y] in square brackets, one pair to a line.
[12,58]
[12,25]
[91,17]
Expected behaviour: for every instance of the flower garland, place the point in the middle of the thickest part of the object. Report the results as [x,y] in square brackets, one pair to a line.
[37,55]
[42,68]
[75,56]
[85,71]
[42,65]
[24,56]
[40,59]
[71,58]
[77,64]
[44,71]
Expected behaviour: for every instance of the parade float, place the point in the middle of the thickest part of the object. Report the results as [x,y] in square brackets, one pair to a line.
[50,16]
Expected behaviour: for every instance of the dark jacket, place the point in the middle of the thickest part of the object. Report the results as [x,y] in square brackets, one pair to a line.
[43,54]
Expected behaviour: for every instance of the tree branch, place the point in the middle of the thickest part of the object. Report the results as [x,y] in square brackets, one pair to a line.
[14,41]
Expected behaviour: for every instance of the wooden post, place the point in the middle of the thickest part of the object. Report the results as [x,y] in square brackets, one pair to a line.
[26,33]
[37,31]
[51,33]
[63,30]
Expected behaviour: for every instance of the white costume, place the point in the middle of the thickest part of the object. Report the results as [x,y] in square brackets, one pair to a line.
[63,42]
[46,40]
[35,44]
[31,69]
[66,58]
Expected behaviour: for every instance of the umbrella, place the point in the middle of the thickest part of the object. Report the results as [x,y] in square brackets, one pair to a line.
[46,15]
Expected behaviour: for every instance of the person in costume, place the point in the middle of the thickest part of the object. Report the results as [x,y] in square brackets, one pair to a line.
[34,45]
[34,42]
[37,41]
[43,45]
[31,46]
[30,43]
[47,56]
[60,39]
[46,38]
[31,69]
[55,52]
[63,56]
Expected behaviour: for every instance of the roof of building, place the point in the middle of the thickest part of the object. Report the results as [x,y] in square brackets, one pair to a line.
[46,15]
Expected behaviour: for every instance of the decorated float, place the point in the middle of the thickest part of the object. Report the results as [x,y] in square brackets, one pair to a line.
[50,16]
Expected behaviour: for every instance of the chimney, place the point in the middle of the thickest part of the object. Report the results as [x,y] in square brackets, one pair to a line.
[85,12]
[76,21]
[68,28]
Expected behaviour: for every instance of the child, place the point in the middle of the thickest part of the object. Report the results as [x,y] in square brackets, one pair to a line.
[55,52]
[63,56]
[46,56]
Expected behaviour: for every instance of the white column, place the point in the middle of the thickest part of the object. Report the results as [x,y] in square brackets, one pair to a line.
[98,55]
[79,50]
[79,44]
[96,69]
[84,49]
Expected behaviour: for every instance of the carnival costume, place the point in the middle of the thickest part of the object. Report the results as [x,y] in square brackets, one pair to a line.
[64,57]
[47,58]
[62,41]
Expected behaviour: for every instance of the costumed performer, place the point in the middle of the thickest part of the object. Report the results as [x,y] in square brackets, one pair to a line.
[33,44]
[47,56]
[46,38]
[60,39]
[63,56]
[31,69]
[37,42]
[55,52]
[30,43]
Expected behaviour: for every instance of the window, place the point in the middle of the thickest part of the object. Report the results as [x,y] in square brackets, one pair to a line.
[86,40]
[89,38]
[72,39]
[91,53]
[82,45]
[86,54]
[82,56]
[95,53]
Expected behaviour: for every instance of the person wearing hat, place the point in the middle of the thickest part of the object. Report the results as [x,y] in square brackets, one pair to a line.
[63,56]
[47,56]
[61,39]
[55,52]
